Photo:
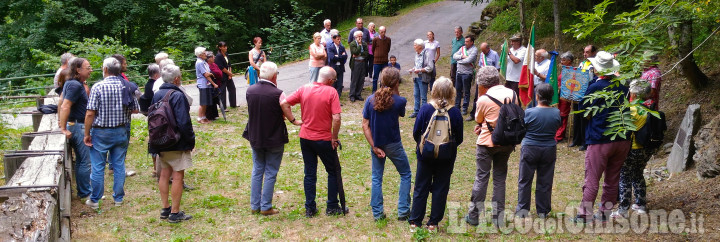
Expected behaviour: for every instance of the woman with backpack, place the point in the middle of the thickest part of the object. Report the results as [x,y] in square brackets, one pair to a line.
[382,131]
[434,168]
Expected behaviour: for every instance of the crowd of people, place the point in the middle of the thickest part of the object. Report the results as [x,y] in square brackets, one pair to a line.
[97,123]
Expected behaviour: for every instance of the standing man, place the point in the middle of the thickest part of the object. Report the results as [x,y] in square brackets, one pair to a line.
[580,123]
[486,57]
[381,49]
[432,48]
[422,68]
[108,117]
[457,42]
[320,108]
[488,155]
[516,56]
[71,121]
[359,51]
[465,58]
[325,33]
[604,156]
[336,59]
[359,27]
[268,135]
[542,65]
[176,159]
[64,59]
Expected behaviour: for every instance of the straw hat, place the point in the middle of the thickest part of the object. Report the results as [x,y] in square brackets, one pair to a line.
[603,62]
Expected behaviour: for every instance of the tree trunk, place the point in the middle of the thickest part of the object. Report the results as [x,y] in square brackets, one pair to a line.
[521,6]
[556,15]
[683,41]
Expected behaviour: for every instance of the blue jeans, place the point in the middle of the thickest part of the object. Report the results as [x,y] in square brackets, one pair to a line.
[463,84]
[377,68]
[420,93]
[311,149]
[109,144]
[82,159]
[314,71]
[396,153]
[266,163]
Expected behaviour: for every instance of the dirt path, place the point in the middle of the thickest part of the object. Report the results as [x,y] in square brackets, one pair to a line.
[441,18]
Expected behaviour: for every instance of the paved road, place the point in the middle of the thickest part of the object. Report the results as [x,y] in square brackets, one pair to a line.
[441,18]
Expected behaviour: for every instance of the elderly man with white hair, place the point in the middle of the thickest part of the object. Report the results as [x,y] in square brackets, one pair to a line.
[64,60]
[381,49]
[204,83]
[424,65]
[542,65]
[108,116]
[268,135]
[359,51]
[320,108]
[174,160]
[325,33]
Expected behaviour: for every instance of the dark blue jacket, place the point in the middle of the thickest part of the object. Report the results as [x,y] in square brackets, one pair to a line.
[598,123]
[341,57]
[423,120]
[182,117]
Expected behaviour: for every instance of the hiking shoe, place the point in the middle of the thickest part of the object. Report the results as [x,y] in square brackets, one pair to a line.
[381,217]
[470,221]
[600,217]
[311,213]
[336,211]
[178,217]
[639,209]
[269,212]
[92,205]
[165,212]
[255,211]
[580,219]
[619,213]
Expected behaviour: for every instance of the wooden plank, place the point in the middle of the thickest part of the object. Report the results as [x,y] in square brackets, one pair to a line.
[48,122]
[48,142]
[40,170]
[29,217]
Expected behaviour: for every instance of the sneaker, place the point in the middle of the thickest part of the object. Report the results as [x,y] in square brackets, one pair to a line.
[413,115]
[432,228]
[381,217]
[336,211]
[413,228]
[311,213]
[165,212]
[187,187]
[583,148]
[470,221]
[619,213]
[639,209]
[118,204]
[543,215]
[470,118]
[464,112]
[178,217]
[403,218]
[92,205]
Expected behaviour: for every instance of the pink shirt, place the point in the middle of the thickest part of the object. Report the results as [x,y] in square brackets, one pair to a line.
[487,110]
[318,102]
[316,50]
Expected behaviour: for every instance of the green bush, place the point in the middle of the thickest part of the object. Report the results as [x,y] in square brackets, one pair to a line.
[506,21]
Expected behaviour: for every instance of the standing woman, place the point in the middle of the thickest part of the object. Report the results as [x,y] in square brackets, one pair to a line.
[382,131]
[433,175]
[227,85]
[256,57]
[204,83]
[317,57]
[432,47]
[566,59]
[212,111]
[372,34]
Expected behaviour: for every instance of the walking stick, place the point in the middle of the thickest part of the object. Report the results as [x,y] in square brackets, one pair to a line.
[341,189]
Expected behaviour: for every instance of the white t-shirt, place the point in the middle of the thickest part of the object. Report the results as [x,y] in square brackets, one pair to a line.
[541,68]
[514,69]
[57,75]
[431,48]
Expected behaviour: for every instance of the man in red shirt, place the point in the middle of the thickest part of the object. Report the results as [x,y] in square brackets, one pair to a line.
[320,109]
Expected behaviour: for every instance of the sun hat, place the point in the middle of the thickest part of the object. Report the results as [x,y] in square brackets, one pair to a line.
[603,62]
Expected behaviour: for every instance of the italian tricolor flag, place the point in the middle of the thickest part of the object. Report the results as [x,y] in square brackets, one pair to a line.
[526,75]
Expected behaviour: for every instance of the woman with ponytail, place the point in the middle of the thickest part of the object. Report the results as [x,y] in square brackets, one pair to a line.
[382,131]
[433,175]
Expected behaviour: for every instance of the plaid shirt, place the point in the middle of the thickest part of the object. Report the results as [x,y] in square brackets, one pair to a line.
[106,99]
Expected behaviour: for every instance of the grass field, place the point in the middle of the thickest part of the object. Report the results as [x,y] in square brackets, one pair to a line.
[220,202]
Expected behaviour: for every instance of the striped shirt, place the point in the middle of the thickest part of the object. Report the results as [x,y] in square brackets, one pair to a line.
[106,99]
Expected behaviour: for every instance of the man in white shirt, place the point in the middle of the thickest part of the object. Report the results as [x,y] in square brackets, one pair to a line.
[516,56]
[542,65]
[325,33]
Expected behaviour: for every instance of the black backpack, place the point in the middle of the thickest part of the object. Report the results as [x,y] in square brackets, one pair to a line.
[510,126]
[651,135]
[162,127]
